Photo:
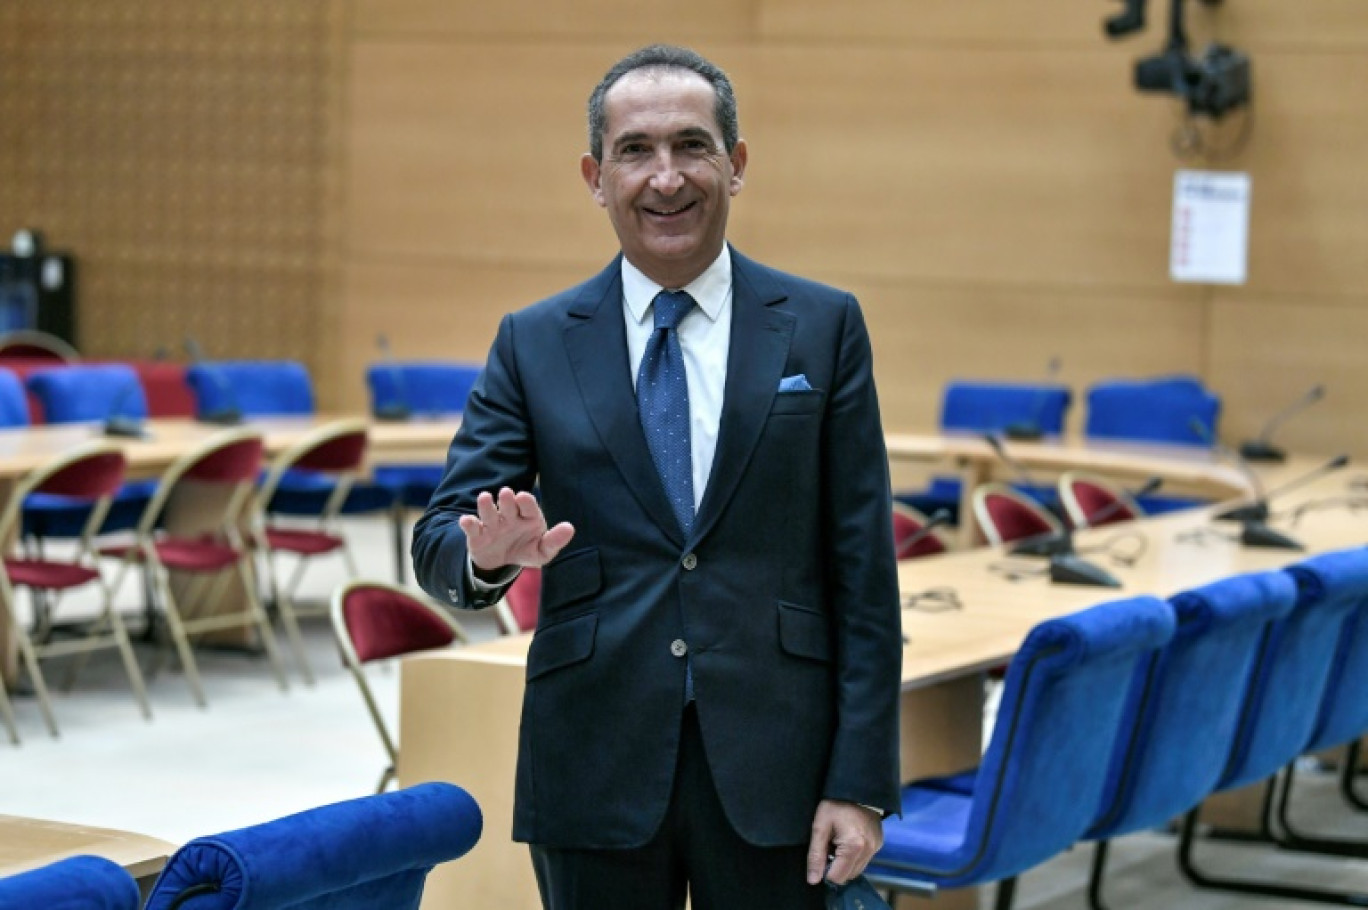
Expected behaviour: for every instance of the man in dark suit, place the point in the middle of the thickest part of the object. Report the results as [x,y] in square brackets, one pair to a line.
[712,688]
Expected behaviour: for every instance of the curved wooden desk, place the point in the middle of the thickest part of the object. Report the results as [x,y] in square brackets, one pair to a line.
[459,709]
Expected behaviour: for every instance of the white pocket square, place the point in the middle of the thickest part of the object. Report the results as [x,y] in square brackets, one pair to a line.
[795,383]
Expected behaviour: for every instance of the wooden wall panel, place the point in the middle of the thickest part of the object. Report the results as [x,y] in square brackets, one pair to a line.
[1267,351]
[886,22]
[639,21]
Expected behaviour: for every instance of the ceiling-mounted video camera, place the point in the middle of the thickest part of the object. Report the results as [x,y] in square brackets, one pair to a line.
[1213,84]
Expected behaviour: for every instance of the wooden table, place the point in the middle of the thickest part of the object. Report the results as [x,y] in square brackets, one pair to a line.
[28,843]
[459,709]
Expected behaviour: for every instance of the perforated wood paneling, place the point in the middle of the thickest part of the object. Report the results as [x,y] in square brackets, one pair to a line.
[185,154]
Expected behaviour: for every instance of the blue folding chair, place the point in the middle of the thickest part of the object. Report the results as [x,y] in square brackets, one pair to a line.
[1282,704]
[1000,408]
[362,854]
[1182,709]
[1038,787]
[415,390]
[76,883]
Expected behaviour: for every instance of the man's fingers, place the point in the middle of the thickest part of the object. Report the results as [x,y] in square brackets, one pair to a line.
[486,509]
[555,539]
[817,851]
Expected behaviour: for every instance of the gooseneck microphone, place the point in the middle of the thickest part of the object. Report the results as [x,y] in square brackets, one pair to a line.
[1261,448]
[119,423]
[396,408]
[937,519]
[1030,430]
[227,414]
[1067,568]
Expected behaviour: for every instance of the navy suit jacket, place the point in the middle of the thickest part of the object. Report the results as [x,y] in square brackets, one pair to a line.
[785,592]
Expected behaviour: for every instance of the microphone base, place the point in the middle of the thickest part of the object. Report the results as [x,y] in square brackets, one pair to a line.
[393,413]
[228,418]
[1258,534]
[1068,569]
[1044,545]
[1258,450]
[1256,513]
[125,428]
[1023,433]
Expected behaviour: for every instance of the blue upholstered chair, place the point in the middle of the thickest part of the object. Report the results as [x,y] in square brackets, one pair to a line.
[1183,706]
[1283,701]
[75,883]
[1041,779]
[992,407]
[415,389]
[82,393]
[14,410]
[362,854]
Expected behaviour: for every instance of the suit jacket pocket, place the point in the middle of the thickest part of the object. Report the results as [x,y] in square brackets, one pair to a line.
[571,577]
[561,644]
[804,632]
[807,401]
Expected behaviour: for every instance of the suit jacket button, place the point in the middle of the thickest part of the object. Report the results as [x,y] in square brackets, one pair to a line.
[689,561]
[454,594]
[678,648]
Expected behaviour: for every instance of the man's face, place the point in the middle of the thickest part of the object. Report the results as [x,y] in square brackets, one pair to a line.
[666,178]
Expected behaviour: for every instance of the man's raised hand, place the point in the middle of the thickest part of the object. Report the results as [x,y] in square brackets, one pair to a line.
[511,531]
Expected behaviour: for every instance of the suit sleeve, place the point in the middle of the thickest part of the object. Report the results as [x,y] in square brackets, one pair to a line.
[492,449]
[863,583]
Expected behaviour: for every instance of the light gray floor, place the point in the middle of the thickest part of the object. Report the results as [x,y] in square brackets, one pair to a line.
[256,754]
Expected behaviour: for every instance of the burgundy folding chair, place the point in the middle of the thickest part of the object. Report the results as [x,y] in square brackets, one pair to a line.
[336,450]
[1085,495]
[907,524]
[374,620]
[521,603]
[1005,515]
[216,479]
[89,474]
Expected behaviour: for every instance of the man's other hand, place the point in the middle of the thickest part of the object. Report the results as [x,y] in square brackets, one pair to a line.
[849,832]
[511,531]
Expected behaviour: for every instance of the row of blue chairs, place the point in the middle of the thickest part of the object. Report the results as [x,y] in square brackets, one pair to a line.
[1125,716]
[364,853]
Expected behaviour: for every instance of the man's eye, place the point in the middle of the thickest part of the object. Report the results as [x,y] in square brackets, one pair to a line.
[632,148]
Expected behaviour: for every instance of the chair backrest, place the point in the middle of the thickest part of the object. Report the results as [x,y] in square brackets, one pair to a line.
[991,407]
[375,851]
[421,388]
[253,388]
[1287,684]
[1159,410]
[14,410]
[1090,500]
[338,449]
[85,392]
[230,458]
[1040,782]
[373,620]
[38,347]
[1343,714]
[85,882]
[1006,516]
[907,522]
[90,473]
[1180,714]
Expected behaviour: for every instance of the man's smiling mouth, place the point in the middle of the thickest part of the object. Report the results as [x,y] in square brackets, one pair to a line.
[665,213]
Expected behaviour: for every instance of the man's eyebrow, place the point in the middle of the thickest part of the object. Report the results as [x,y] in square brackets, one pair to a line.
[689,132]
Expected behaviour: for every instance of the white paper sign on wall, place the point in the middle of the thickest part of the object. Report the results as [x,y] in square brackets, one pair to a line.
[1210,241]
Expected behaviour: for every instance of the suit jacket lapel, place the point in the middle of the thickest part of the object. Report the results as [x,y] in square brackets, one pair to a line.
[760,339]
[596,342]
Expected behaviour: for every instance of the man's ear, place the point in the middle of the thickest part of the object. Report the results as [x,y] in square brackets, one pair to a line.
[592,174]
[739,155]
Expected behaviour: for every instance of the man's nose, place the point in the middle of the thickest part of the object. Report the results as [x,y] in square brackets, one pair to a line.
[666,179]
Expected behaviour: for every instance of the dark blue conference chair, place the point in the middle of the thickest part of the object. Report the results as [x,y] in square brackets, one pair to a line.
[362,854]
[75,883]
[1041,779]
[1000,408]
[83,393]
[1182,709]
[415,390]
[1283,701]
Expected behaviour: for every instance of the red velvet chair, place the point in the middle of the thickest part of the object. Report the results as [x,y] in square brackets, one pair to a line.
[375,621]
[1086,495]
[220,474]
[521,604]
[89,474]
[337,452]
[907,523]
[1005,515]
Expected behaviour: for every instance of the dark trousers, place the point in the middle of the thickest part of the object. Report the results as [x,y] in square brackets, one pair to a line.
[695,852]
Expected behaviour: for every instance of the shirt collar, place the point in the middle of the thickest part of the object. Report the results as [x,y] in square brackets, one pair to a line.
[709,290]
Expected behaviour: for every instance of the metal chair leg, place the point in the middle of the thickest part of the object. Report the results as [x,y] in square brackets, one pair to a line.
[1199,878]
[1006,894]
[7,714]
[1286,835]
[1097,878]
[1347,775]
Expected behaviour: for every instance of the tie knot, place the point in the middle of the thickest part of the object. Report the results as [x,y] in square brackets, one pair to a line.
[671,307]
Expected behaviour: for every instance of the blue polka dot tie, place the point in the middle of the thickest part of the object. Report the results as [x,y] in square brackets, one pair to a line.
[663,402]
